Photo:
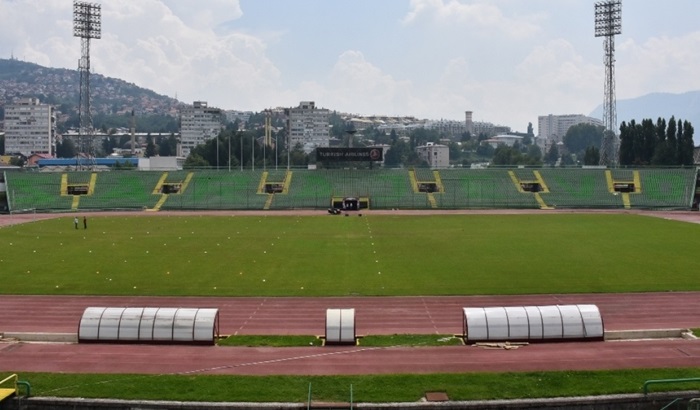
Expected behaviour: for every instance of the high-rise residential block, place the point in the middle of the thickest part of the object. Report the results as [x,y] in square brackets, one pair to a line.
[30,128]
[308,126]
[198,124]
[554,127]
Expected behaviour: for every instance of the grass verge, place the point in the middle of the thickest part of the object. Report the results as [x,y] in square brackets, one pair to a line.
[366,388]
[409,340]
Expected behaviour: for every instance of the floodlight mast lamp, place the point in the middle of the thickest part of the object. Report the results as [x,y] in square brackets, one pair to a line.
[608,24]
[87,24]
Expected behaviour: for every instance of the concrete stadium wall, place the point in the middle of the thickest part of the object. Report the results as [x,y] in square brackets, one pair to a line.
[613,402]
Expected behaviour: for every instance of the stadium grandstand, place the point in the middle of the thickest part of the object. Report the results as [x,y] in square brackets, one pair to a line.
[351,189]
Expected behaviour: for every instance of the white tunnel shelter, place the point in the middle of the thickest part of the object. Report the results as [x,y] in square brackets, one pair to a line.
[149,325]
[340,326]
[533,323]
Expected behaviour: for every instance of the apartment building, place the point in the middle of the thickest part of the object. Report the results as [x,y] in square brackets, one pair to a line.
[30,128]
[448,128]
[436,155]
[234,115]
[308,126]
[476,128]
[554,127]
[198,124]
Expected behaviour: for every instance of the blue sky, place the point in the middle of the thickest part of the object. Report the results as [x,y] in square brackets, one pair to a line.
[508,61]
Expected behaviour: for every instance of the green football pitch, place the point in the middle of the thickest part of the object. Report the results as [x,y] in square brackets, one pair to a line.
[333,255]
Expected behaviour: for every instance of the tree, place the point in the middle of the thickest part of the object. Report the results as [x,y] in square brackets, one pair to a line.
[297,156]
[167,147]
[18,161]
[626,142]
[581,136]
[671,135]
[455,151]
[534,153]
[649,143]
[505,155]
[393,136]
[421,136]
[485,151]
[592,156]
[567,159]
[646,143]
[234,126]
[195,161]
[660,130]
[65,149]
[679,142]
[552,155]
[150,148]
[124,165]
[397,155]
[663,154]
[337,125]
[687,145]
[108,144]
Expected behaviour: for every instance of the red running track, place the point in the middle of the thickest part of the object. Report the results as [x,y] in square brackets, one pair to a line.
[375,315]
[385,315]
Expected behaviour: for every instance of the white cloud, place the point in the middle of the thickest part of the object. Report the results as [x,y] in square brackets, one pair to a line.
[661,63]
[157,44]
[205,14]
[552,78]
[556,79]
[356,85]
[477,14]
[32,29]
[557,65]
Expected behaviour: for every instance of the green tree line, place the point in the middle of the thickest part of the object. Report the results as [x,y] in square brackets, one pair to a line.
[664,143]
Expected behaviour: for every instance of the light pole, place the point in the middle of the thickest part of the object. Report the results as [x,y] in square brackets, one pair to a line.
[241,137]
[276,156]
[268,135]
[217,152]
[87,25]
[608,24]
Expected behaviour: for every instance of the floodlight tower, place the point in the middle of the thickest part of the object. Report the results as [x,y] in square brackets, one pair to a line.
[608,23]
[87,24]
